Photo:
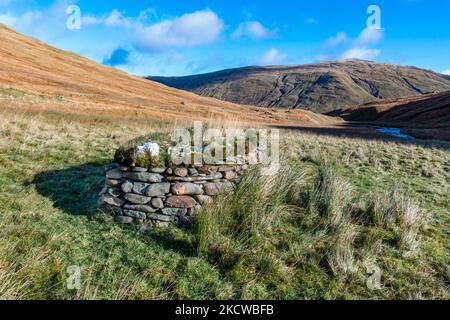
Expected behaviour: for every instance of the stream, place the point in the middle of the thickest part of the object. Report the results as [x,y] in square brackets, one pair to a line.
[396,132]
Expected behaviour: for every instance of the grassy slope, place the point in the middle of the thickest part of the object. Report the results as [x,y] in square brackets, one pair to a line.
[51,170]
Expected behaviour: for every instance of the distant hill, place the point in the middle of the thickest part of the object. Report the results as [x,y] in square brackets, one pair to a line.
[64,81]
[318,87]
[423,111]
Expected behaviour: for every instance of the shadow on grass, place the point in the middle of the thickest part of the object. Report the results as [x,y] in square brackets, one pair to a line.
[73,190]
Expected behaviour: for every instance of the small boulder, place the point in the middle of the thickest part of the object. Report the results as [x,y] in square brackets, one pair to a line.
[181,202]
[157,203]
[144,177]
[124,219]
[115,174]
[137,199]
[127,186]
[181,172]
[181,189]
[158,190]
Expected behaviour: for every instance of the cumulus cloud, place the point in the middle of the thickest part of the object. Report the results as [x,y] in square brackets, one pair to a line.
[361,53]
[340,37]
[341,46]
[200,27]
[446,72]
[273,57]
[253,30]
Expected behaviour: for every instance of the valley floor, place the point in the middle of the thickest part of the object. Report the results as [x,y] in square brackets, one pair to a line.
[51,170]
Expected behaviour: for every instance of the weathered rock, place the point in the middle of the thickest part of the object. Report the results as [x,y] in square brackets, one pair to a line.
[141,208]
[158,190]
[144,176]
[169,171]
[135,214]
[193,172]
[181,172]
[137,199]
[124,219]
[194,211]
[157,203]
[127,186]
[112,210]
[173,211]
[111,166]
[211,189]
[138,169]
[113,201]
[158,170]
[113,192]
[203,199]
[125,169]
[160,217]
[226,168]
[187,189]
[114,174]
[112,182]
[159,224]
[230,175]
[181,202]
[140,188]
[209,170]
[194,179]
[225,186]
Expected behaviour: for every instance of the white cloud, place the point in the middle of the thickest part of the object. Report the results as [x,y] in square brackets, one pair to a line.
[200,27]
[370,36]
[446,72]
[273,57]
[8,19]
[341,46]
[254,30]
[361,53]
[340,37]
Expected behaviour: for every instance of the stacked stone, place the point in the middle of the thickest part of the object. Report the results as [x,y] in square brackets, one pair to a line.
[164,196]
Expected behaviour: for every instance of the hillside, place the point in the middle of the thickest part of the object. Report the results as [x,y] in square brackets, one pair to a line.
[36,76]
[318,87]
[424,110]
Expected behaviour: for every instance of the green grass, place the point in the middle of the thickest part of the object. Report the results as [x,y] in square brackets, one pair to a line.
[312,232]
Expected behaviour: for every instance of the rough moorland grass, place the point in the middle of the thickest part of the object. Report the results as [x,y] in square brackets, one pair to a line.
[311,232]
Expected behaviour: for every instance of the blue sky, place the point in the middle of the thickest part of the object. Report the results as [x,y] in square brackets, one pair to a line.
[180,37]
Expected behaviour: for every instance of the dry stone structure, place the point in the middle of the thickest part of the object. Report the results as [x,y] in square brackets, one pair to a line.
[164,196]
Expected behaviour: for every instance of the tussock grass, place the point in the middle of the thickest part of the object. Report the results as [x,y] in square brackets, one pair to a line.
[308,232]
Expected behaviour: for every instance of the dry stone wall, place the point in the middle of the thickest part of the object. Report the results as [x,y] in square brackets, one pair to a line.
[164,196]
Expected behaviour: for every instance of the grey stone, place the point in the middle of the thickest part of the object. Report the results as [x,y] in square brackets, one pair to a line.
[137,199]
[211,189]
[193,172]
[112,210]
[157,203]
[209,170]
[159,224]
[226,168]
[112,182]
[141,208]
[158,189]
[124,219]
[225,186]
[173,211]
[160,217]
[140,188]
[138,169]
[194,211]
[135,214]
[186,188]
[229,175]
[114,174]
[203,199]
[158,170]
[125,169]
[127,186]
[113,201]
[194,179]
[144,176]
[114,192]
[181,202]
[181,172]
[169,171]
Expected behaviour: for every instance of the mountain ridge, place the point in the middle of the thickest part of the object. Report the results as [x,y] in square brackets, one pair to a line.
[319,87]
